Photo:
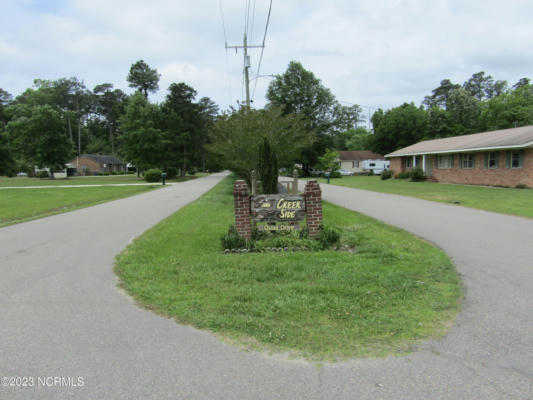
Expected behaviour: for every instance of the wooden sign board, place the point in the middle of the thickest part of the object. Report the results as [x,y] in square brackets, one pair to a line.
[277,208]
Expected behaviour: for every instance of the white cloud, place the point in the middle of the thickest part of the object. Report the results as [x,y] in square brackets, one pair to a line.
[378,53]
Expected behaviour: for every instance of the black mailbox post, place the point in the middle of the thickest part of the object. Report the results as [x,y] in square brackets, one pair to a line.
[328,175]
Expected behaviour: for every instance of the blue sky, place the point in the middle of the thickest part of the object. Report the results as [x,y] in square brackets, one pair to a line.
[377,53]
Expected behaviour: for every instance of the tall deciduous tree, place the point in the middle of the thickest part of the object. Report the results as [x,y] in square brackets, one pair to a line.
[463,109]
[399,127]
[143,78]
[511,109]
[7,164]
[298,91]
[359,139]
[142,142]
[40,137]
[5,100]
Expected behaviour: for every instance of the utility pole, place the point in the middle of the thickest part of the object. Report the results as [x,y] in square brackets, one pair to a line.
[247,64]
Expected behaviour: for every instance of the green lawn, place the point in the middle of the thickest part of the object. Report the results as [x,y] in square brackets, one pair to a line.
[394,291]
[501,200]
[19,205]
[83,180]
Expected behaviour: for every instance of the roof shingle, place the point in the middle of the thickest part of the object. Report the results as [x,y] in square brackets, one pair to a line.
[359,155]
[504,138]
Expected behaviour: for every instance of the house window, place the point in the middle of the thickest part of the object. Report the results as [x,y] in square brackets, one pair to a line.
[445,161]
[355,164]
[516,159]
[408,162]
[492,159]
[372,164]
[467,160]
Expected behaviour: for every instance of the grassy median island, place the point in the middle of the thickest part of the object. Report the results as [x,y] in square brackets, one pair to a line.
[496,199]
[393,291]
[20,205]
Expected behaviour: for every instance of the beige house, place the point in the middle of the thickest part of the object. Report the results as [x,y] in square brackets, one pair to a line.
[359,161]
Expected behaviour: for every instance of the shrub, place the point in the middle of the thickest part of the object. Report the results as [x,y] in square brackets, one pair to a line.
[43,174]
[521,186]
[387,174]
[152,175]
[257,234]
[327,236]
[232,240]
[284,240]
[172,172]
[403,175]
[370,172]
[418,175]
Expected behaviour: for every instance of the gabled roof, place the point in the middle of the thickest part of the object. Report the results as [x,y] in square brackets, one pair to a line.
[101,158]
[359,155]
[502,139]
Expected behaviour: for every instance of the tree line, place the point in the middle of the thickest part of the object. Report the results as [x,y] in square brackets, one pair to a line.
[480,104]
[55,120]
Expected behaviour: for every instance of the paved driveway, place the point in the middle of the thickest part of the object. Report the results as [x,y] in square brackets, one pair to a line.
[63,316]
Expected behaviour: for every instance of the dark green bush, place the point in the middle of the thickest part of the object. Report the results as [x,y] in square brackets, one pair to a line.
[418,175]
[387,174]
[403,175]
[232,240]
[327,236]
[257,234]
[172,172]
[521,186]
[152,175]
[370,172]
[43,174]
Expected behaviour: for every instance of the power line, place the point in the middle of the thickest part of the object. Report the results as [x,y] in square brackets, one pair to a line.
[253,23]
[223,25]
[262,49]
[230,94]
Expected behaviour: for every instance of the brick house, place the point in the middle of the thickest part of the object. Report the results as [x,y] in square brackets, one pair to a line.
[496,158]
[96,163]
[358,161]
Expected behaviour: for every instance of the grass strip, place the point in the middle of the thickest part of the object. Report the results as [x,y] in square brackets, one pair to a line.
[501,200]
[394,291]
[20,205]
[84,180]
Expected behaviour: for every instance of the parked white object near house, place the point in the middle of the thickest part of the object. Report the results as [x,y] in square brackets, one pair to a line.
[376,166]
[354,161]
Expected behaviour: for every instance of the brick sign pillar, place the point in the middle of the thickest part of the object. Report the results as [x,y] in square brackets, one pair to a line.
[313,205]
[242,209]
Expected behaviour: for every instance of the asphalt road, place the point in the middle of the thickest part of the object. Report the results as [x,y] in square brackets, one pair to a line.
[63,316]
